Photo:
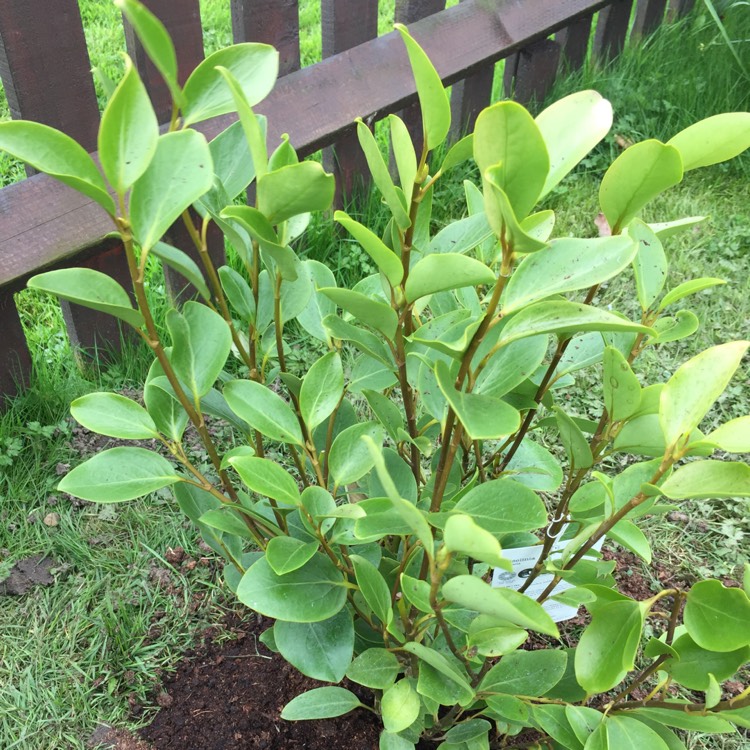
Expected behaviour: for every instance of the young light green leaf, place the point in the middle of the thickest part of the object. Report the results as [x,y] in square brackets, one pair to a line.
[89,288]
[692,390]
[373,588]
[119,474]
[686,288]
[293,190]
[732,436]
[350,458]
[462,535]
[565,266]
[234,162]
[717,617]
[58,155]
[374,668]
[400,706]
[322,389]
[128,133]
[384,258]
[201,342]
[506,135]
[380,175]
[403,153]
[113,415]
[312,593]
[254,66]
[638,174]
[650,263]
[263,410]
[483,417]
[156,41]
[439,272]
[184,265]
[179,173]
[708,479]
[713,140]
[238,292]
[571,128]
[459,152]
[321,650]
[318,307]
[266,477]
[320,703]
[371,312]
[622,391]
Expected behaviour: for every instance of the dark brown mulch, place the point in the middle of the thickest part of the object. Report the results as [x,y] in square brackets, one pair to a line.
[229,696]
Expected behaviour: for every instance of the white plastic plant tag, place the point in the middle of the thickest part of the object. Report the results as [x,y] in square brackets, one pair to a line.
[523,560]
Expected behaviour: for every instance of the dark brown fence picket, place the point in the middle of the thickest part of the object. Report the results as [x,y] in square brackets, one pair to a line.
[273,22]
[648,15]
[530,73]
[574,42]
[679,8]
[345,24]
[612,29]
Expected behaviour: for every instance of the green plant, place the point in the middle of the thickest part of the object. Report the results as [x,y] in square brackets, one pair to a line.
[368,532]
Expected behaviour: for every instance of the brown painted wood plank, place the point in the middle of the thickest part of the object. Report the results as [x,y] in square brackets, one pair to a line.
[612,29]
[273,22]
[648,15]
[43,222]
[574,42]
[182,19]
[15,358]
[346,24]
[537,67]
[679,8]
[45,67]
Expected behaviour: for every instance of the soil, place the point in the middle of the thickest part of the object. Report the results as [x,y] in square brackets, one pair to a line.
[27,573]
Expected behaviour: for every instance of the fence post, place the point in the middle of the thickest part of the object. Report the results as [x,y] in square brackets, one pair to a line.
[345,24]
[530,73]
[182,19]
[648,15]
[680,8]
[274,22]
[15,358]
[612,29]
[45,69]
[409,11]
[574,42]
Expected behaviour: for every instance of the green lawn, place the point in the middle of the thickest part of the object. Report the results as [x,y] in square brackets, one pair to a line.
[73,654]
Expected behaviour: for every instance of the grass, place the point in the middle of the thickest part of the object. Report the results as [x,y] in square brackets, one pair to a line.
[73,654]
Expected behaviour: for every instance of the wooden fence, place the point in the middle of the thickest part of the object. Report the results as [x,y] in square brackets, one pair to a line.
[45,68]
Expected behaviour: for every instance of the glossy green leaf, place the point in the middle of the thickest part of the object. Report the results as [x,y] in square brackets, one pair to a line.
[294,189]
[319,306]
[400,706]
[320,703]
[384,258]
[179,173]
[461,534]
[441,663]
[625,731]
[371,312]
[439,272]
[263,410]
[531,673]
[473,593]
[733,436]
[458,153]
[58,155]
[321,650]
[607,649]
[713,140]
[505,134]
[128,133]
[381,176]
[692,721]
[374,668]
[387,412]
[534,466]
[89,288]
[234,164]
[238,292]
[468,730]
[350,459]
[156,42]
[184,265]
[322,389]
[717,617]
[491,640]
[565,266]
[552,719]
[687,288]
[463,235]
[571,127]
[483,417]
[119,474]
[266,477]
[391,741]
[226,520]
[637,176]
[373,588]
[162,405]
[650,263]
[511,365]
[201,342]
[628,535]
[254,66]
[433,98]
[622,390]
[574,441]
[403,154]
[692,390]
[696,664]
[113,415]
[311,593]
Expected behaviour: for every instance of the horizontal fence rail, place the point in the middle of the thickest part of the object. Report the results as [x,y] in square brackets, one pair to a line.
[45,69]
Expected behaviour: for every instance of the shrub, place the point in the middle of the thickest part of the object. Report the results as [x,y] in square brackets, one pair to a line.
[367,503]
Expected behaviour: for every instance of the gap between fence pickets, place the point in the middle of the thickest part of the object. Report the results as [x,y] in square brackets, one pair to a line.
[57,222]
